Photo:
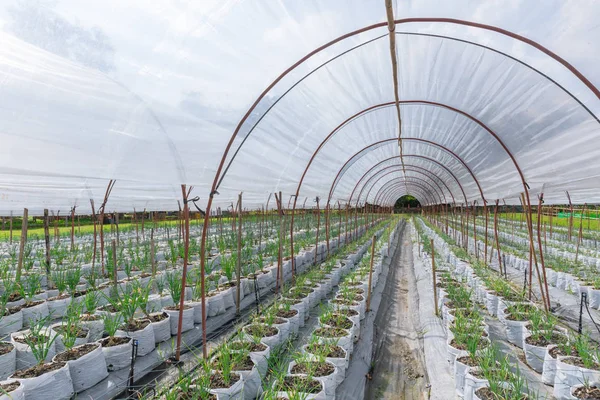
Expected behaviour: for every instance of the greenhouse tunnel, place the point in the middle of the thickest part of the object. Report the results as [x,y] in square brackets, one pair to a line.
[339,199]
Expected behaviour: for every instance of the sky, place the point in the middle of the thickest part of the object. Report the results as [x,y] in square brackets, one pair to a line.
[151,91]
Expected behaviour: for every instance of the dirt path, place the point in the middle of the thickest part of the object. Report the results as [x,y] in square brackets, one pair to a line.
[399,371]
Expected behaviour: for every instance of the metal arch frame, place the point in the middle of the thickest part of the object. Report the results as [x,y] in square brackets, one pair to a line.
[408,180]
[385,192]
[395,169]
[407,34]
[445,168]
[421,102]
[395,139]
[213,190]
[421,170]
[391,196]
[387,195]
[397,184]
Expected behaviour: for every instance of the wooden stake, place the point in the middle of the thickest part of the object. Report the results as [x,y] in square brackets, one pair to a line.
[371,274]
[186,247]
[47,240]
[22,244]
[95,235]
[318,227]
[114,260]
[73,228]
[435,297]
[239,256]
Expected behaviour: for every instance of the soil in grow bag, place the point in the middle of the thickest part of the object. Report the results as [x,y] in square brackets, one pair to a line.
[217,381]
[308,385]
[135,325]
[245,364]
[261,330]
[38,370]
[250,346]
[76,353]
[157,317]
[5,348]
[9,387]
[315,368]
[276,321]
[480,345]
[486,394]
[542,341]
[587,393]
[345,302]
[335,352]
[286,314]
[60,297]
[468,360]
[176,308]
[112,341]
[338,321]
[14,297]
[81,333]
[331,332]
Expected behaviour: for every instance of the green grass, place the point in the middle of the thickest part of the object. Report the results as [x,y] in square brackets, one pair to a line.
[593,224]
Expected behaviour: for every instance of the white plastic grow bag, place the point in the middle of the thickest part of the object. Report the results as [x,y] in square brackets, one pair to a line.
[235,392]
[34,313]
[304,396]
[215,305]
[261,360]
[8,363]
[339,362]
[197,306]
[145,338]
[58,343]
[118,357]
[17,394]
[534,355]
[251,383]
[55,385]
[11,323]
[472,383]
[514,332]
[162,329]
[58,308]
[329,382]
[594,298]
[88,370]
[96,329]
[549,367]
[187,321]
[460,371]
[568,375]
[25,358]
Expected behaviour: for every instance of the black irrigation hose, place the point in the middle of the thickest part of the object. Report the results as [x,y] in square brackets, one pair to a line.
[584,296]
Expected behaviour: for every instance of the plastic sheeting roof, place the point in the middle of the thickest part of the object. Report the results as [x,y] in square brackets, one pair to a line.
[150,93]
